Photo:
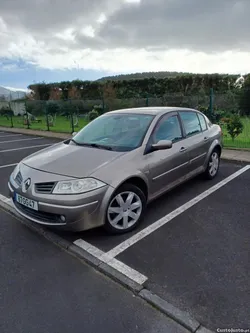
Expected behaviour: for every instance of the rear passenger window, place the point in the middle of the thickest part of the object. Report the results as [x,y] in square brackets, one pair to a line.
[191,122]
[203,122]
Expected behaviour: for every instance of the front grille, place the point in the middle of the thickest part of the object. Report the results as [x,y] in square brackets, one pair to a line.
[38,215]
[45,188]
[19,178]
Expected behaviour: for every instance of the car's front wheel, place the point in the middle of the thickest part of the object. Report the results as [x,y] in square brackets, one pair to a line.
[213,165]
[125,210]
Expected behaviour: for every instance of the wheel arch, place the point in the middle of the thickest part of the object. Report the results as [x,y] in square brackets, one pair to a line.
[137,181]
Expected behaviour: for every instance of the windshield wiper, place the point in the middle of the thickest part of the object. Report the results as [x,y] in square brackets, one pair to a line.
[75,142]
[94,145]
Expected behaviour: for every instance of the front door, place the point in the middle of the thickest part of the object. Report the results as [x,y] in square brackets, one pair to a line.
[168,166]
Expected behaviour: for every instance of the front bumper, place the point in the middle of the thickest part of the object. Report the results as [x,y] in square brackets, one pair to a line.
[67,212]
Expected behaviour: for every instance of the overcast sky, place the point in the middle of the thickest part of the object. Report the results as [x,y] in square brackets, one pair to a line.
[91,38]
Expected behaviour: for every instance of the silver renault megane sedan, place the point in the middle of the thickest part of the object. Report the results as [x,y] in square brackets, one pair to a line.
[110,170]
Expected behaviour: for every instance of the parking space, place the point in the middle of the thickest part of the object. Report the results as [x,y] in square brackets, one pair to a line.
[193,248]
[13,148]
[158,209]
[197,257]
[200,260]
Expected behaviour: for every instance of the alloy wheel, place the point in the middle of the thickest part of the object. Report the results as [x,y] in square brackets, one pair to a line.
[213,164]
[124,210]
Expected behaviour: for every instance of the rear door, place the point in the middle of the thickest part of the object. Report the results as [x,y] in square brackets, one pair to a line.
[168,166]
[197,140]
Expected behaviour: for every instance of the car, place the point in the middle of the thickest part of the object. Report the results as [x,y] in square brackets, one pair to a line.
[108,172]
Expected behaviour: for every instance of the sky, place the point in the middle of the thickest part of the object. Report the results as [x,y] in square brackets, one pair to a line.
[45,40]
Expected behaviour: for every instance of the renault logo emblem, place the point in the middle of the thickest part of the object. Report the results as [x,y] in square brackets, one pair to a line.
[26,185]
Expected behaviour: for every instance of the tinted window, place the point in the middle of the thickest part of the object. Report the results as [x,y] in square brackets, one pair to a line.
[168,129]
[202,122]
[118,131]
[208,121]
[191,123]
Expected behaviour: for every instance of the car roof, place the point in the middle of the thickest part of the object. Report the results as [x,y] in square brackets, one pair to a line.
[150,110]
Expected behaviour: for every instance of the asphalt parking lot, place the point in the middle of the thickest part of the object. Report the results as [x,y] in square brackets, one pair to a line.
[197,256]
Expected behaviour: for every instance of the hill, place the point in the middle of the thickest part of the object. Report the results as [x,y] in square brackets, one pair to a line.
[144,75]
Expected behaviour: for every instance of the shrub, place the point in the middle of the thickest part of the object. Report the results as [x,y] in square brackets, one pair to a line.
[93,114]
[52,108]
[234,126]
[6,112]
[225,120]
[98,108]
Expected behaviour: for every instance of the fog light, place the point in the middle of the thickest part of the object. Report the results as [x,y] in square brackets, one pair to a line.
[62,217]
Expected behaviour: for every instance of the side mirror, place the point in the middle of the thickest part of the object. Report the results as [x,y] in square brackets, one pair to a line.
[162,144]
[74,133]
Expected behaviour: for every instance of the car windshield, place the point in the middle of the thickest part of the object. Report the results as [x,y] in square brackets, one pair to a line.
[118,132]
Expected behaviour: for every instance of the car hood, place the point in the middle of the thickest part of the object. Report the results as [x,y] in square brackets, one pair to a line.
[70,160]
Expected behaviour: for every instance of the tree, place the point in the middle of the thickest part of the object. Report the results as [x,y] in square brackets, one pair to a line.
[52,108]
[108,94]
[244,103]
[234,126]
[93,114]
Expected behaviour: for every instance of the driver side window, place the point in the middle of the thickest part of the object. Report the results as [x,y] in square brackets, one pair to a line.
[168,129]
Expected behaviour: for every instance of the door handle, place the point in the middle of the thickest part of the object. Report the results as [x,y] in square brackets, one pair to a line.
[206,138]
[183,149]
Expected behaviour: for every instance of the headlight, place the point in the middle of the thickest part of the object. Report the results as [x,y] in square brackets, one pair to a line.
[15,171]
[77,186]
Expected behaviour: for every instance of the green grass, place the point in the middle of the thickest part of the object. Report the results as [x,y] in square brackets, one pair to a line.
[61,124]
[241,141]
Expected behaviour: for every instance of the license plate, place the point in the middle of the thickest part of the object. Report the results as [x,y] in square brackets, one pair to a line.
[26,202]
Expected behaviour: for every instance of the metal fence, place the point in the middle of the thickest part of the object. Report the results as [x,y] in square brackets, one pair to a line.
[68,116]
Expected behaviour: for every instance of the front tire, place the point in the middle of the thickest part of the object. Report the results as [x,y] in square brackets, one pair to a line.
[213,165]
[125,210]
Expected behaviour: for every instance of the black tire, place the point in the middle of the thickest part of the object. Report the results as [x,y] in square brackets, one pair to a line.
[139,196]
[208,174]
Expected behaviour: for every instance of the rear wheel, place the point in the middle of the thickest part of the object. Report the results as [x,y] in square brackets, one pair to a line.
[125,210]
[213,165]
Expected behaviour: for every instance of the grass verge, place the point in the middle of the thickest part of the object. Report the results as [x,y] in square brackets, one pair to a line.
[61,125]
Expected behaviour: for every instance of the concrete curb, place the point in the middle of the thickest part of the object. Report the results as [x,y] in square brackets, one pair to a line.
[177,315]
[202,329]
[47,134]
[181,317]
[239,159]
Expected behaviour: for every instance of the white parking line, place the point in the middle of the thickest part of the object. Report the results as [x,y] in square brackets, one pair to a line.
[40,137]
[7,150]
[131,273]
[161,222]
[6,136]
[5,199]
[7,165]
[99,254]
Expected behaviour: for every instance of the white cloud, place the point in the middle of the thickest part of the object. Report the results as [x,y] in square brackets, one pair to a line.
[67,34]
[88,31]
[128,35]
[132,1]
[102,18]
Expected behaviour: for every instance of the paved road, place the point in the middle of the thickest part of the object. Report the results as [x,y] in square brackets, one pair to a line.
[44,289]
[13,148]
[200,261]
[157,209]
